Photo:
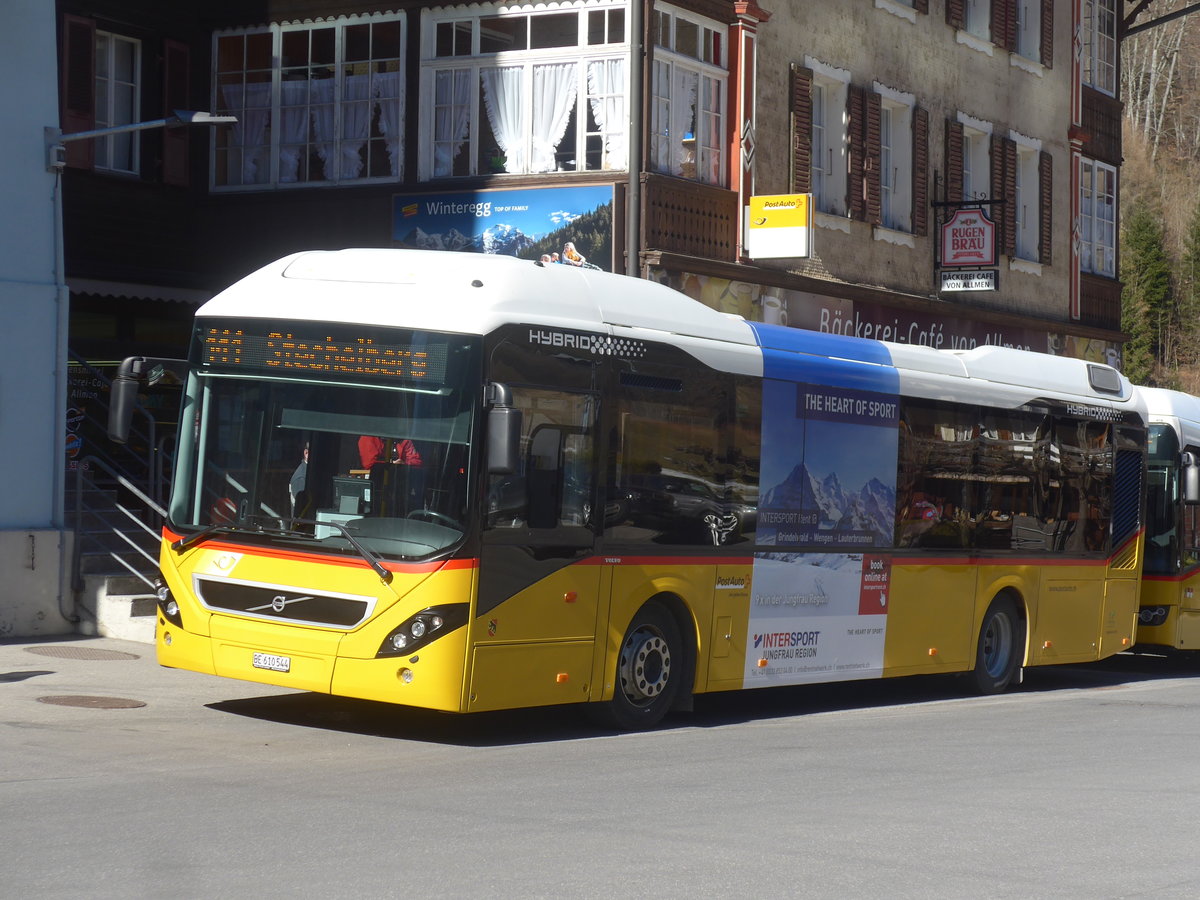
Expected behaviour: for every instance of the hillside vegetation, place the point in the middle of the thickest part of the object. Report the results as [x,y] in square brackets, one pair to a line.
[1160,200]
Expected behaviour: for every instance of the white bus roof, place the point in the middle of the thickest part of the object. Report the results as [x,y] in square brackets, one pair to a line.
[476,293]
[1177,409]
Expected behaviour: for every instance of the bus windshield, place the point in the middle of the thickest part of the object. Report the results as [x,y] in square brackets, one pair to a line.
[351,456]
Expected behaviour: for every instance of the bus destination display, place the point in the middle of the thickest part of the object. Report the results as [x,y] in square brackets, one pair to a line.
[345,354]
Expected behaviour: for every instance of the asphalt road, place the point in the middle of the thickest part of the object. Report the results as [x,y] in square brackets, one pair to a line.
[1081,783]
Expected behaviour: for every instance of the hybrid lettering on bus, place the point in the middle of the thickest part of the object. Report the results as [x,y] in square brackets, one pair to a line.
[584,488]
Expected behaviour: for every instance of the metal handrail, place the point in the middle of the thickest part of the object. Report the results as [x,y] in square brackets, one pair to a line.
[152,528]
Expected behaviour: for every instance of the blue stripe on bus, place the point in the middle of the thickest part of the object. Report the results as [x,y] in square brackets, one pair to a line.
[799,340]
[791,354]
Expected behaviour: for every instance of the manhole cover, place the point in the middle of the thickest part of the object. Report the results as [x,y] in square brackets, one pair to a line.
[91,702]
[66,651]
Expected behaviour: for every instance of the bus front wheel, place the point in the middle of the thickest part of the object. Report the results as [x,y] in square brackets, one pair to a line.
[1001,643]
[650,667]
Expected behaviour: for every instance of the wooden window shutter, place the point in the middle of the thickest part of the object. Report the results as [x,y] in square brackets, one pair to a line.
[856,189]
[872,106]
[1004,24]
[998,210]
[956,13]
[78,84]
[1048,33]
[1004,187]
[1045,208]
[802,124]
[920,156]
[921,6]
[176,71]
[954,160]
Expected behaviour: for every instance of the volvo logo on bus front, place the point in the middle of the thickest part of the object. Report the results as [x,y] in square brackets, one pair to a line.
[278,603]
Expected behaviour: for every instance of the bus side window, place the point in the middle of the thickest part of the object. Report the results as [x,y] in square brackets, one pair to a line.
[553,486]
[543,482]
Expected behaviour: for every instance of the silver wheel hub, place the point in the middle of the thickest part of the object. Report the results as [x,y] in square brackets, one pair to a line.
[645,666]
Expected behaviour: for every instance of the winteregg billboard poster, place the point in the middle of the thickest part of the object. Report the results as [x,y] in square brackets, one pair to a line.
[568,225]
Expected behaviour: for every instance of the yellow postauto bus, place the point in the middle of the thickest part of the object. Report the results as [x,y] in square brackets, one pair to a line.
[467,482]
[1170,605]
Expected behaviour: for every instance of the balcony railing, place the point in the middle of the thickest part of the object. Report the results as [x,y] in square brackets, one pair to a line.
[689,218]
[1100,302]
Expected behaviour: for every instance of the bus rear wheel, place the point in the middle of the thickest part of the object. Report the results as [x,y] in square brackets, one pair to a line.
[1001,642]
[650,667]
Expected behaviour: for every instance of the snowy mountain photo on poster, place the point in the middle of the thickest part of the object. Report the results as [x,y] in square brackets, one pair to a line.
[828,467]
[526,223]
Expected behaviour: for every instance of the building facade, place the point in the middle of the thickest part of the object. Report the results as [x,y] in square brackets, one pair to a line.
[622,128]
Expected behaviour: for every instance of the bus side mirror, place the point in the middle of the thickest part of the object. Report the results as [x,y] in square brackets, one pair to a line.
[1191,478]
[132,374]
[504,432]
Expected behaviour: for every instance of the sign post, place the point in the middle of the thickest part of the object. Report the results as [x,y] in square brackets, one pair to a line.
[968,252]
[779,225]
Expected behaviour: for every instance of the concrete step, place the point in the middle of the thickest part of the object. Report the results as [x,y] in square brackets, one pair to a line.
[118,607]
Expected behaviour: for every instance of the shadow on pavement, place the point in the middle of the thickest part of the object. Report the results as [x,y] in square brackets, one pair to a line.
[561,723]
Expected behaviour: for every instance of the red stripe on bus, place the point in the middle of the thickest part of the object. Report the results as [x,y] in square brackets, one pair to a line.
[350,562]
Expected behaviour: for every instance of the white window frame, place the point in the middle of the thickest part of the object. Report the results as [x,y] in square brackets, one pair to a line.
[1099,31]
[977,158]
[979,19]
[117,152]
[701,157]
[895,158]
[830,137]
[270,162]
[606,142]
[1098,218]
[1029,29]
[1028,197]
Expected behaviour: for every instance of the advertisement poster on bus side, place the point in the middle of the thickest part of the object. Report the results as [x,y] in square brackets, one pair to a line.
[818,605]
[816,617]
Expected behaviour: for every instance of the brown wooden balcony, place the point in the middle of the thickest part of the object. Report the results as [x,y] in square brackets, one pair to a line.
[1100,302]
[689,218]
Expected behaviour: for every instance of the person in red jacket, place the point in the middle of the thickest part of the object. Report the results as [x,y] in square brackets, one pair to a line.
[390,491]
[374,451]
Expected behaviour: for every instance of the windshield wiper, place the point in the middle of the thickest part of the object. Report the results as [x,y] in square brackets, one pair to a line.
[204,534]
[221,528]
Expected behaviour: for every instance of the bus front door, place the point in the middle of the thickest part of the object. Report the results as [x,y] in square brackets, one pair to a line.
[534,634]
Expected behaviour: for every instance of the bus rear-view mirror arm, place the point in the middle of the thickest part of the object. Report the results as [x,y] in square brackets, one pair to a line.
[504,430]
[1191,478]
[134,374]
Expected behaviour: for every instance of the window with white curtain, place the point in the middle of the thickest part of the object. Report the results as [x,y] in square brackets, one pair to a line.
[1029,29]
[895,162]
[829,139]
[977,163]
[1098,218]
[1028,201]
[1099,32]
[524,93]
[688,85]
[979,18]
[316,103]
[118,80]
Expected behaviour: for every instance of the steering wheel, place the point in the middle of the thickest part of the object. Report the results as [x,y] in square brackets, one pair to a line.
[432,515]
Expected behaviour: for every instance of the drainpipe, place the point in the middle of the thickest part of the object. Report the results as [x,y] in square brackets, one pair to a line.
[633,195]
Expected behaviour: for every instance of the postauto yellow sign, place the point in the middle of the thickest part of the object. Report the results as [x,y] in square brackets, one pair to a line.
[779,225]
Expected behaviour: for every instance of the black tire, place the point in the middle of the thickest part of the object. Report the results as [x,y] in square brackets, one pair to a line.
[650,669]
[1001,646]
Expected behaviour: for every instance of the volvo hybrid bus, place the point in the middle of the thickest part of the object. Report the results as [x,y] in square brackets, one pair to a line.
[1170,604]
[467,482]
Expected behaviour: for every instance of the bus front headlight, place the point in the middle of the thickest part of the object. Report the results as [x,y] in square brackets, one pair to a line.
[421,628]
